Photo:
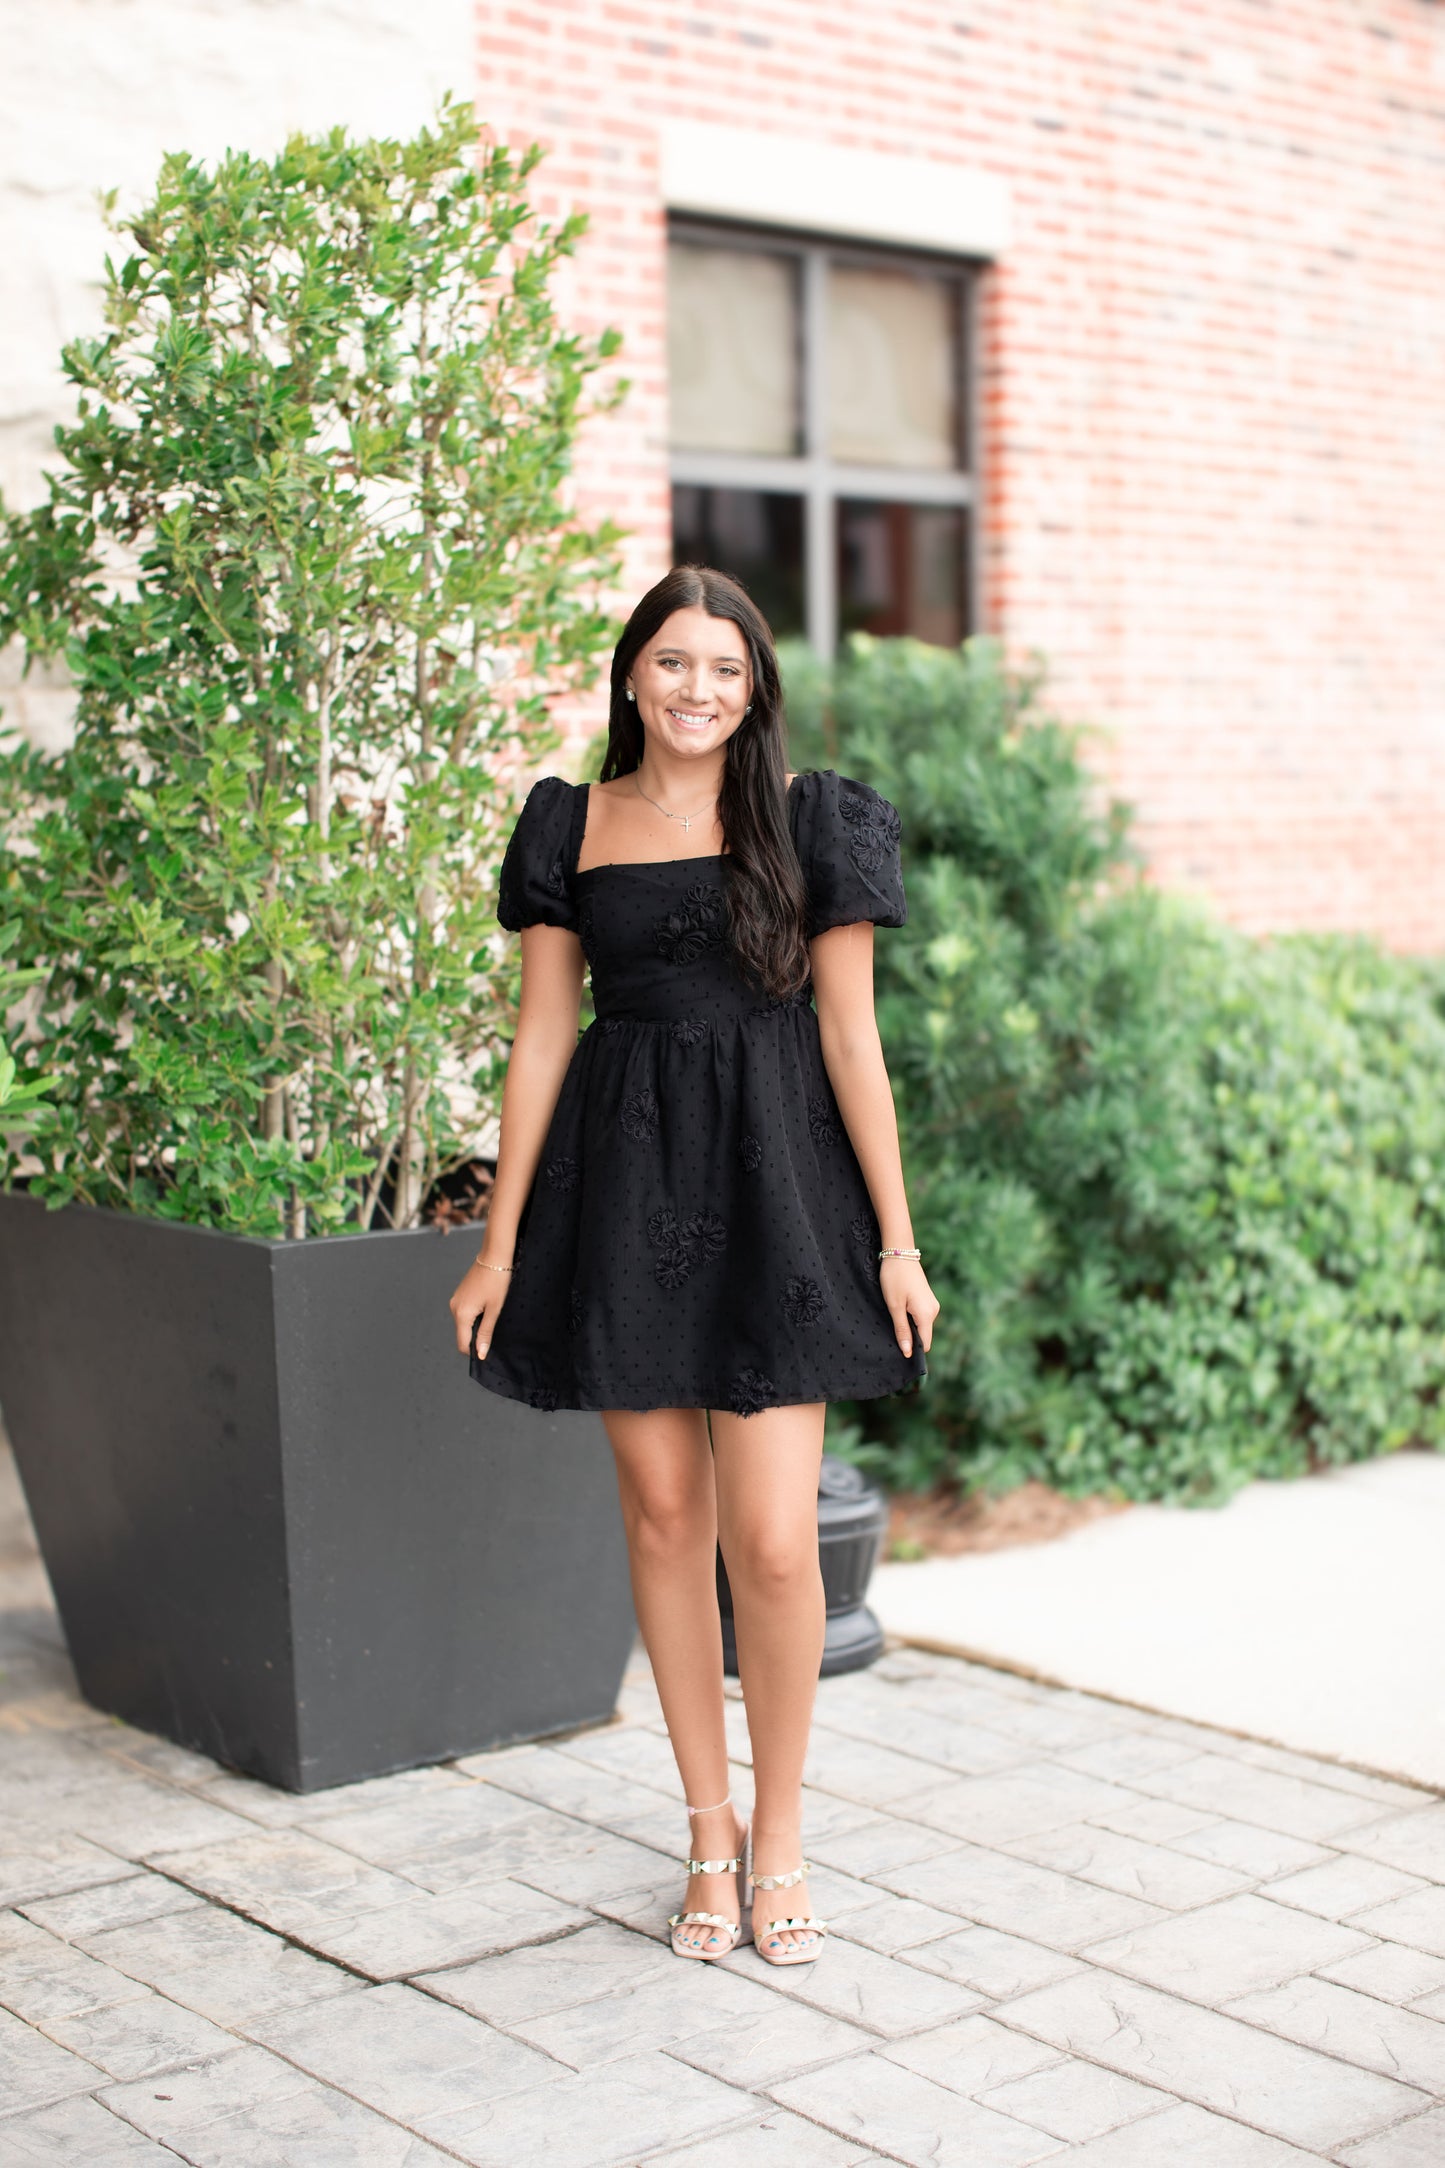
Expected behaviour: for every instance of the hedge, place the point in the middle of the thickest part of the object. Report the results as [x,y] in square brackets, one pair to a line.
[1180,1192]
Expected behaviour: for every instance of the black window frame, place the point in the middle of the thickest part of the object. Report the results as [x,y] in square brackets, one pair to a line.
[812,474]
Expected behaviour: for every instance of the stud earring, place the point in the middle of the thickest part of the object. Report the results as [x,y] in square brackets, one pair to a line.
[631,694]
[748,709]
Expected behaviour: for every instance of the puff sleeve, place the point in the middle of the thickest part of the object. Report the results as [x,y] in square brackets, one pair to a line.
[535,885]
[847,839]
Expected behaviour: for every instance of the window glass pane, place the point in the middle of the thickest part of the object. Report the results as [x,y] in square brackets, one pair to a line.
[755,535]
[902,568]
[892,375]
[732,349]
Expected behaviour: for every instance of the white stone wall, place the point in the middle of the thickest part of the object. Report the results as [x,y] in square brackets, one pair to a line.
[93,92]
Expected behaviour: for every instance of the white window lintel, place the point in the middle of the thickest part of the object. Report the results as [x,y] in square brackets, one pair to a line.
[778,179]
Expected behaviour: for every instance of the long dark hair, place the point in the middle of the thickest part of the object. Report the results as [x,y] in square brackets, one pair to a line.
[767,899]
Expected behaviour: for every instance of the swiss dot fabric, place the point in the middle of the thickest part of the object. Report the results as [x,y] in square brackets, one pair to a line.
[699,1233]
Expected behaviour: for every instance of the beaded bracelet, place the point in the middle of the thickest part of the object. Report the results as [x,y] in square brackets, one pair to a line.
[917,1254]
[492,1268]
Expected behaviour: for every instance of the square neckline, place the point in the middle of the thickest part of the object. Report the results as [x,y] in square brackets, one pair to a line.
[643,865]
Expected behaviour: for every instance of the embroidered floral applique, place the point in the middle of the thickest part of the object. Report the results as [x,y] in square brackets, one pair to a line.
[821,1126]
[777,1003]
[750,1392]
[750,1152]
[685,1244]
[673,1269]
[545,1397]
[862,1228]
[803,1301]
[562,1173]
[557,876]
[876,828]
[687,1030]
[706,1232]
[694,929]
[611,1024]
[639,1116]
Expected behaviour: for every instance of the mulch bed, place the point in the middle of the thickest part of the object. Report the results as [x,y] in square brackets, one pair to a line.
[942,1523]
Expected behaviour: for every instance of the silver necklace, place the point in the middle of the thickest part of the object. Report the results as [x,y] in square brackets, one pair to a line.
[687,819]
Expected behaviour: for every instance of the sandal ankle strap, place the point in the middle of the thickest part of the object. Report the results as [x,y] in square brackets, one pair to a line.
[781,1881]
[712,1866]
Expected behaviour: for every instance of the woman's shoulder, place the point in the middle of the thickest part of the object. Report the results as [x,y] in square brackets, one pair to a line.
[846,798]
[549,805]
[552,790]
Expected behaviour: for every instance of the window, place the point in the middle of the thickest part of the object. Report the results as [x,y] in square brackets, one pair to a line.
[820,442]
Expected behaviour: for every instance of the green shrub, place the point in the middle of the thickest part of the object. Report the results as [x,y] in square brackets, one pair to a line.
[1180,1193]
[307,553]
[22,1100]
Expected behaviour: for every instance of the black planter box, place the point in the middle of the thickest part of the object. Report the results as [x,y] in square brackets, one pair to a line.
[282,1524]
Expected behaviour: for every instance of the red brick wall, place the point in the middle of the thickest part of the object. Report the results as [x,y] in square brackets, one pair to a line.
[1212,373]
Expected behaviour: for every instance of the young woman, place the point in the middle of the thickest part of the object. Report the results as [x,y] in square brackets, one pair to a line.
[699,1223]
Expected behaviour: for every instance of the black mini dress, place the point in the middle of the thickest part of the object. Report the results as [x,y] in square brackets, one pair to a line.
[698,1234]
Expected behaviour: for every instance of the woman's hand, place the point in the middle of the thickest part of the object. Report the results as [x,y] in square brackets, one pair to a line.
[545,1041]
[480,1296]
[908,1294]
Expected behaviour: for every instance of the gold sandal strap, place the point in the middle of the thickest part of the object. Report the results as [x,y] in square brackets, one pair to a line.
[775,1927]
[704,1919]
[712,1866]
[781,1881]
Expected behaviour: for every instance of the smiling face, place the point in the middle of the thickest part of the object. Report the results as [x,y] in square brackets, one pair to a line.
[693,681]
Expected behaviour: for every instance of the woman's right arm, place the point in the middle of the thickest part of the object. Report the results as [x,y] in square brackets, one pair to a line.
[546,1040]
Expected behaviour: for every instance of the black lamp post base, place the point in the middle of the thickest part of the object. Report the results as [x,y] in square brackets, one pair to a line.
[852,1641]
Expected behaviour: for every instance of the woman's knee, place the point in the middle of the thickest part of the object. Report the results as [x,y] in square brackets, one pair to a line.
[771,1561]
[666,1517]
[668,1510]
[664,1480]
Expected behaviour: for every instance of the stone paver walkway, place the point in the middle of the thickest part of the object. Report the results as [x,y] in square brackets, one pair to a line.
[1066,1931]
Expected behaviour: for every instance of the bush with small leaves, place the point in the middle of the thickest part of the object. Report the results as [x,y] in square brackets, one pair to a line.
[1181,1193]
[22,1101]
[307,554]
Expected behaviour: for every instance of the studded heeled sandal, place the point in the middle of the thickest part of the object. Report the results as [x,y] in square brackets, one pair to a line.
[715,1920]
[786,1953]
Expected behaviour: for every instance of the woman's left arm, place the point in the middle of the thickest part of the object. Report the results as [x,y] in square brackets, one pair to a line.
[853,1057]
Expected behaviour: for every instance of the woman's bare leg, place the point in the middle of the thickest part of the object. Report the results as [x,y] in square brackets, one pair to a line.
[767,1503]
[669,1511]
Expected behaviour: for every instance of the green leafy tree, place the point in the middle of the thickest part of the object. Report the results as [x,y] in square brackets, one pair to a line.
[307,556]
